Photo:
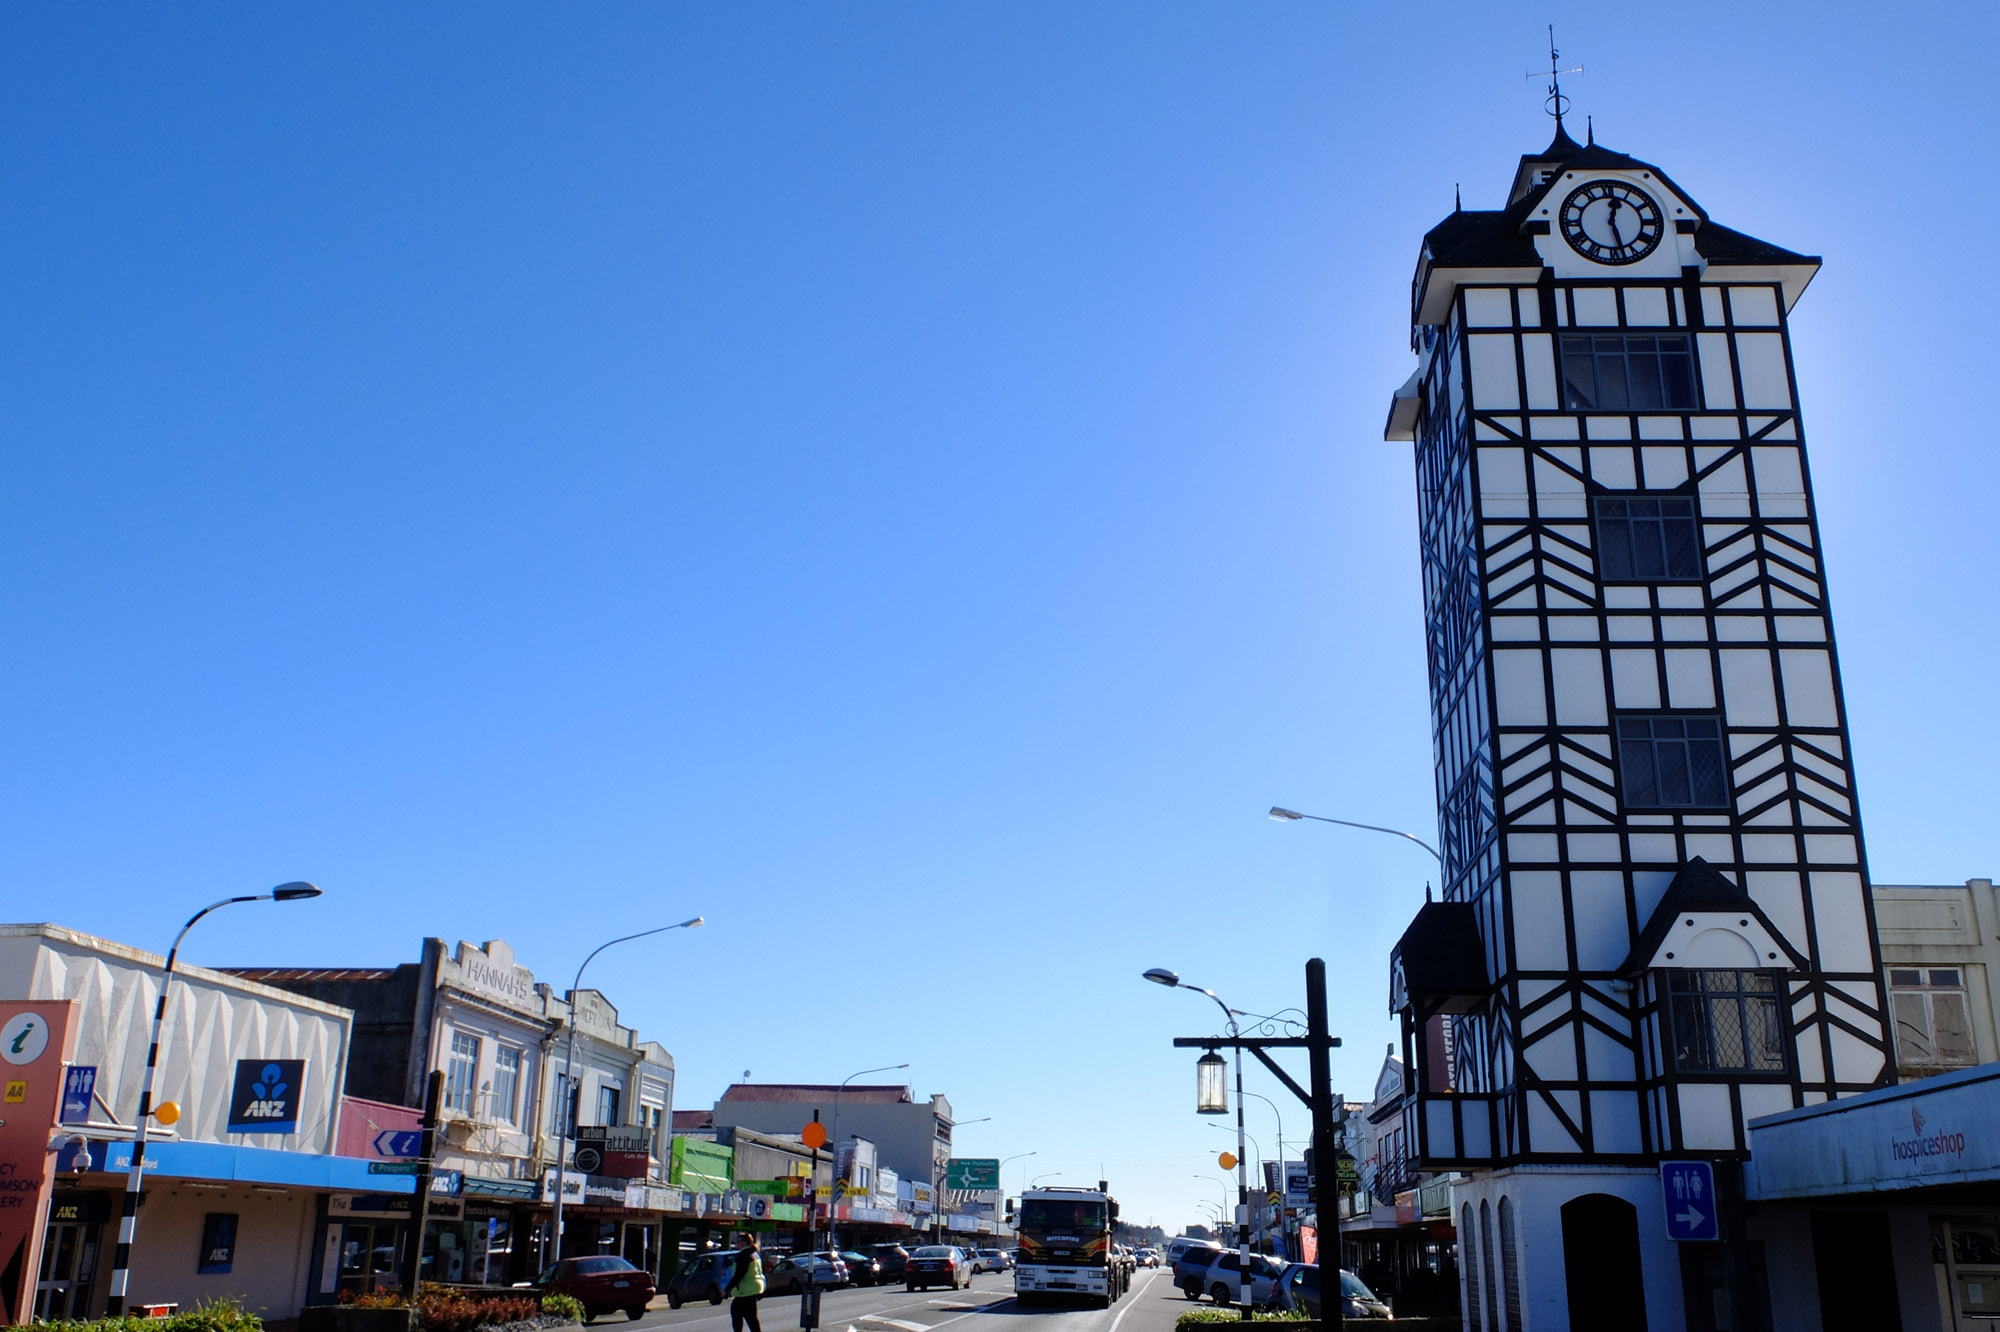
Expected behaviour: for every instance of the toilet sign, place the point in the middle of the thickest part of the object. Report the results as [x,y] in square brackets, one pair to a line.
[1688,1190]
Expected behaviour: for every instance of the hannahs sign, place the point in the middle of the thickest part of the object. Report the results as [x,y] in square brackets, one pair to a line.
[267,1095]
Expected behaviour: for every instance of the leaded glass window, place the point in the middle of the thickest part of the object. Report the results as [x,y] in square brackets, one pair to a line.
[1726,1021]
[1672,763]
[1627,372]
[1647,538]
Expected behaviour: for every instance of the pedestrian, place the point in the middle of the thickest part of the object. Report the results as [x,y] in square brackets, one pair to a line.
[746,1284]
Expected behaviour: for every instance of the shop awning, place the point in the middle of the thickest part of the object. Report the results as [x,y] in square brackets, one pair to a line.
[1938,1131]
[249,1165]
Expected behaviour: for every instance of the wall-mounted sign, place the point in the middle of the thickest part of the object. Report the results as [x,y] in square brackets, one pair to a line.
[267,1096]
[35,1040]
[79,1086]
[218,1244]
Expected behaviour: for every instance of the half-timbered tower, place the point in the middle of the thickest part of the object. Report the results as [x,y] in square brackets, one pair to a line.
[1655,923]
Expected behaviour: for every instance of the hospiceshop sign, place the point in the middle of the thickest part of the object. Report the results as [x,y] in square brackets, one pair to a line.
[1938,1130]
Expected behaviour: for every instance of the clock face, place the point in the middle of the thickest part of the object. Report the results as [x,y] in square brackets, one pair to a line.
[1611,222]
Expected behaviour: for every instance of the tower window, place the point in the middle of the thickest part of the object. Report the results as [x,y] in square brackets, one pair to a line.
[1650,538]
[1672,763]
[1627,372]
[1726,1021]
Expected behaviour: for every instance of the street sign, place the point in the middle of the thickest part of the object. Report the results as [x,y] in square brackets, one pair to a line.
[392,1167]
[398,1143]
[1688,1189]
[79,1086]
[972,1172]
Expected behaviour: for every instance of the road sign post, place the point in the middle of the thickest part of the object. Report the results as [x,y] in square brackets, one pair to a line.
[1687,1188]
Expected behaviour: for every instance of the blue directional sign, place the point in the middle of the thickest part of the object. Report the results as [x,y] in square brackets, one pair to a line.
[1688,1189]
[79,1086]
[399,1142]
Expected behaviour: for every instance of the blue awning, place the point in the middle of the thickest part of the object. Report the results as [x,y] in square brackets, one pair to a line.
[249,1165]
[1936,1131]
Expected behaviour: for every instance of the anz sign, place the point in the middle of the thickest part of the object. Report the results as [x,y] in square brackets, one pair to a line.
[267,1095]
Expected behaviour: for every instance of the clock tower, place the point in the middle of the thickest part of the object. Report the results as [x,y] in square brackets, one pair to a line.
[1655,923]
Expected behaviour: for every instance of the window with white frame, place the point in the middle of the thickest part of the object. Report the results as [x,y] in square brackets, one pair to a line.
[507,1083]
[1933,1017]
[608,1097]
[461,1073]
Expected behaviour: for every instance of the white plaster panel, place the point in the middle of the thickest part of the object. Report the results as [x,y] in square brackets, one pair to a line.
[1660,427]
[1538,914]
[1635,678]
[1841,922]
[1614,1121]
[1589,847]
[1606,1059]
[1554,1056]
[1608,427]
[1603,931]
[1753,305]
[1630,629]
[1808,687]
[1778,472]
[1718,388]
[1690,681]
[1711,305]
[1801,629]
[1532,847]
[1517,686]
[1665,468]
[1595,306]
[1764,1098]
[1654,849]
[1538,364]
[1760,359]
[1646,306]
[1683,628]
[1831,849]
[1573,629]
[1747,690]
[1614,468]
[1553,427]
[1503,482]
[1740,628]
[1689,598]
[1715,848]
[1854,1060]
[1491,356]
[1638,598]
[1707,1123]
[1545,1131]
[1486,307]
[1715,427]
[1812,1065]
[1516,628]
[1579,687]
[1530,305]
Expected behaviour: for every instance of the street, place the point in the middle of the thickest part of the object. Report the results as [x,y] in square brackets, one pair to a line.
[1150,1306]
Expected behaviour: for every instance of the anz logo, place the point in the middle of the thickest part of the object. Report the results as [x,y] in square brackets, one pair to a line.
[269,1092]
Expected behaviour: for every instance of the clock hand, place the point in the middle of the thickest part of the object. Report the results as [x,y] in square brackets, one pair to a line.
[1611,217]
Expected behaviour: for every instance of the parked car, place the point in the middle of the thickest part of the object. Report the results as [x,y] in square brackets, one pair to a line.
[1300,1290]
[1192,1265]
[1180,1244]
[1147,1257]
[938,1265]
[705,1276]
[889,1261]
[785,1275]
[601,1283]
[832,1271]
[1127,1263]
[862,1269]
[990,1260]
[1219,1279]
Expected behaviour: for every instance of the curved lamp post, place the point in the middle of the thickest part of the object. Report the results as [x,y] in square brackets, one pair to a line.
[1283,815]
[1017,1156]
[937,1183]
[1046,1174]
[1203,1067]
[833,1203]
[574,1088]
[128,1221]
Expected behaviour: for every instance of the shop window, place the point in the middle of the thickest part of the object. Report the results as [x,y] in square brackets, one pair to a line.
[461,1072]
[1726,1021]
[1933,1017]
[608,1097]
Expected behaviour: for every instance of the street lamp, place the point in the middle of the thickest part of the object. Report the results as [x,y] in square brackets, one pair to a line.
[571,1089]
[128,1221]
[1018,1156]
[1283,815]
[938,1181]
[1211,1092]
[1172,980]
[833,1203]
[1284,1185]
[1046,1174]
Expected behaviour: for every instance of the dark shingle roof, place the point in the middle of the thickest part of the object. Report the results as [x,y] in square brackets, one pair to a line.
[1697,887]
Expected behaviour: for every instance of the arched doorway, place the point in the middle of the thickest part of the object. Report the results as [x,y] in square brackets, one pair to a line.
[1601,1265]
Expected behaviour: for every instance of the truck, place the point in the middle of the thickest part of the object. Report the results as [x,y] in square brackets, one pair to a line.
[1066,1248]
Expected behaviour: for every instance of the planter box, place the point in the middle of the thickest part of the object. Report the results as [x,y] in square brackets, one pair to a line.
[346,1318]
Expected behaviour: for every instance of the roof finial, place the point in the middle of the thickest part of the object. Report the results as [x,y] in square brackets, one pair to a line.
[1589,133]
[1457,206]
[1557,104]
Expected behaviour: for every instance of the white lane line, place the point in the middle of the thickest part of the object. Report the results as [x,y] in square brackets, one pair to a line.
[901,1324]
[1135,1291]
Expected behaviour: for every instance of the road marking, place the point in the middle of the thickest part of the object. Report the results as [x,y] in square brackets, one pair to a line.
[901,1324]
[1150,1274]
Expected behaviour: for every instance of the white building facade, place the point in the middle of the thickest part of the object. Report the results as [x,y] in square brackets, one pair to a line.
[1656,922]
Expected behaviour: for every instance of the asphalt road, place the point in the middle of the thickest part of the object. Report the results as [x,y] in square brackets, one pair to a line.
[1150,1306]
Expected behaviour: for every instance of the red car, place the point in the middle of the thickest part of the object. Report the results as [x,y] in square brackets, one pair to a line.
[938,1265]
[601,1283]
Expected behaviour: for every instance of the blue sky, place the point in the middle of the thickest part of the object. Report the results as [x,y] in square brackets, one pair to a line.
[904,481]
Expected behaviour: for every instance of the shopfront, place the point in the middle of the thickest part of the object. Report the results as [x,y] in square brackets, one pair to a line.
[1882,1210]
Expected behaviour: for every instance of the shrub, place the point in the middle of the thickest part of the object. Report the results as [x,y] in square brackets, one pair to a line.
[209,1316]
[441,1312]
[563,1306]
[1195,1320]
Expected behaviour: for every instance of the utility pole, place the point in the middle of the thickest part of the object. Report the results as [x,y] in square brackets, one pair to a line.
[420,1206]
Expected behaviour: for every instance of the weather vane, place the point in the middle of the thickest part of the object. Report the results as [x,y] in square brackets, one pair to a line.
[1557,104]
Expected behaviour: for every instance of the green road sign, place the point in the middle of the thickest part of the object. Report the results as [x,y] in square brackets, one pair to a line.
[392,1167]
[972,1172]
